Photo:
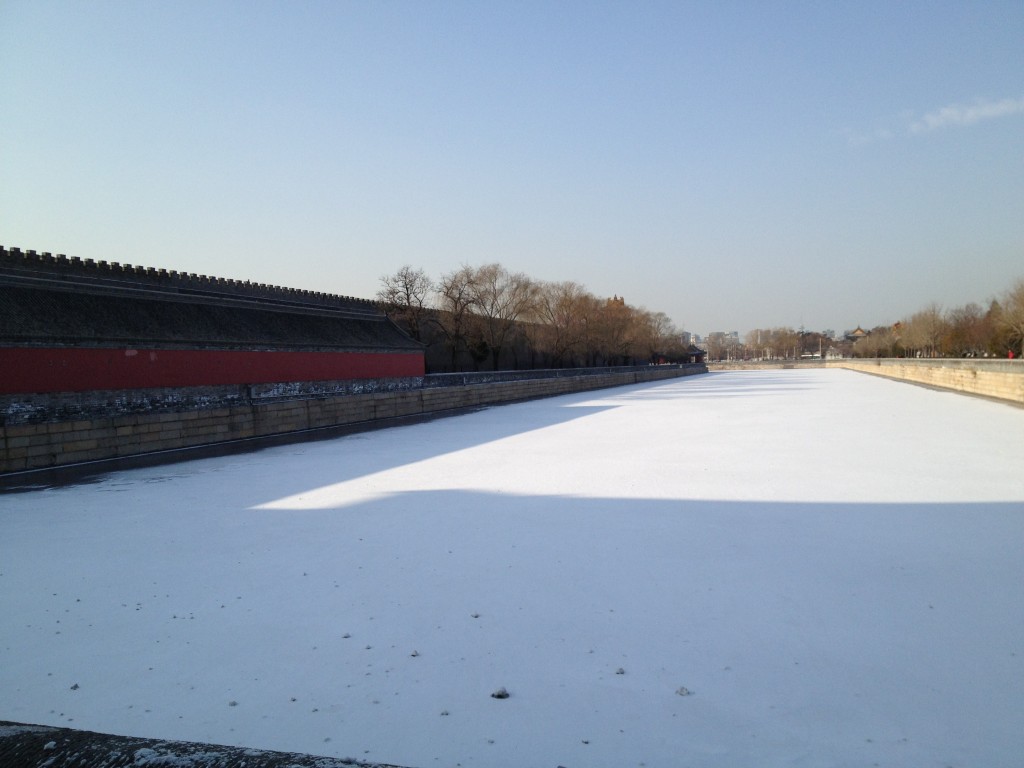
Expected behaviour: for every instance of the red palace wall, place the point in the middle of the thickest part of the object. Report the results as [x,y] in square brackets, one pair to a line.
[80,369]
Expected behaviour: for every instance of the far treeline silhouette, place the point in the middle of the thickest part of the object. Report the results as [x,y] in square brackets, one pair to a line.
[967,331]
[483,317]
[487,317]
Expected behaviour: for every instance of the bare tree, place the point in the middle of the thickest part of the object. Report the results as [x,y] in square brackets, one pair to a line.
[773,343]
[501,298]
[880,342]
[1011,316]
[655,336]
[787,342]
[405,296]
[612,331]
[966,330]
[922,333]
[886,341]
[455,300]
[591,310]
[759,341]
[561,316]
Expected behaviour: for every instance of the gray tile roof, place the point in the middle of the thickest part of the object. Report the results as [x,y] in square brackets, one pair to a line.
[48,300]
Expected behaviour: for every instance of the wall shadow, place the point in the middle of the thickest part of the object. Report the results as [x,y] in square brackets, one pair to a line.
[885,632]
[540,414]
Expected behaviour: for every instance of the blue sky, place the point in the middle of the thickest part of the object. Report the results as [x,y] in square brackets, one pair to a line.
[732,164]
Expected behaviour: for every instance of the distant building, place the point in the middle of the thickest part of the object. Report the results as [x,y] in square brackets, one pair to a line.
[723,337]
[856,334]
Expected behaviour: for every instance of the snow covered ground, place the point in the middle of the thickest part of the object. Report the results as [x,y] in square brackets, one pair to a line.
[785,568]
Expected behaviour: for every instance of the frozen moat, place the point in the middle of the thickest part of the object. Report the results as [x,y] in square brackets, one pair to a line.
[798,568]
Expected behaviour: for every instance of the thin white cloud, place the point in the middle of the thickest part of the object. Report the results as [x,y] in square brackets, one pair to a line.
[860,139]
[953,115]
[963,115]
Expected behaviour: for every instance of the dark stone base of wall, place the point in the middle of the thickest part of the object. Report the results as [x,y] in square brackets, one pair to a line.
[49,431]
[36,746]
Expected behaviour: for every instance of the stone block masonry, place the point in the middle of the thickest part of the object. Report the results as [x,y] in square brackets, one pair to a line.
[998,379]
[993,378]
[44,431]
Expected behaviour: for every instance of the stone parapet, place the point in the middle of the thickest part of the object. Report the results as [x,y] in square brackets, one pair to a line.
[999,379]
[39,432]
[763,365]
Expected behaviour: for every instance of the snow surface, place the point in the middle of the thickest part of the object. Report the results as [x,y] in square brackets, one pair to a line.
[830,564]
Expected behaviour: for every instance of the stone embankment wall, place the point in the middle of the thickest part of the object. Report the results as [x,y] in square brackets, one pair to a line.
[762,365]
[42,431]
[999,379]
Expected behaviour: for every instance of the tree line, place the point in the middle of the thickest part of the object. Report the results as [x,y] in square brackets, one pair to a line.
[488,317]
[787,344]
[967,331]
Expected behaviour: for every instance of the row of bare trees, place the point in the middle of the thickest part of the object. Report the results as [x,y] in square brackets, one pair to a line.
[786,343]
[490,316]
[967,331]
[781,343]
